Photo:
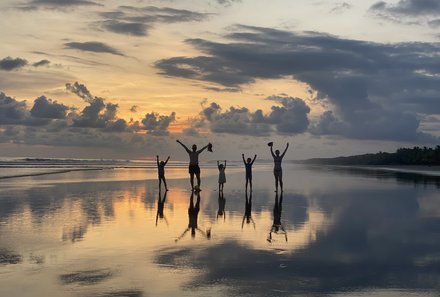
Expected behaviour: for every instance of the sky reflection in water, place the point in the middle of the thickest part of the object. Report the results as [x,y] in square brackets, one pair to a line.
[347,232]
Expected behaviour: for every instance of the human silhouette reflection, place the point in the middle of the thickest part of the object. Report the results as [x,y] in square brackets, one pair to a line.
[221,206]
[248,211]
[277,227]
[160,205]
[193,213]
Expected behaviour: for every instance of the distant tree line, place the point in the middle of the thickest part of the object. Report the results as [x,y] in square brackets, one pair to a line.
[403,156]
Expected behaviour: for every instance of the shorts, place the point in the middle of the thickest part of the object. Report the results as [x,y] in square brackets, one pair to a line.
[194,169]
[278,173]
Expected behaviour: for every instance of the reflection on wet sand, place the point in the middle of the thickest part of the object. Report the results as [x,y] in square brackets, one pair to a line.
[221,206]
[160,206]
[98,238]
[247,217]
[193,213]
[277,227]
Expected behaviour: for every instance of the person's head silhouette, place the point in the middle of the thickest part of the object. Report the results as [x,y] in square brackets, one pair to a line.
[162,163]
[249,160]
[194,147]
[277,152]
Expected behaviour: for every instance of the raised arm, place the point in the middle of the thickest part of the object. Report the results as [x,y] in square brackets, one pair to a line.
[244,161]
[218,164]
[157,160]
[225,164]
[203,148]
[285,150]
[271,151]
[184,146]
[166,161]
[254,159]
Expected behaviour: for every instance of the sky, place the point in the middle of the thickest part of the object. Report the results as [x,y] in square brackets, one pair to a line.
[125,79]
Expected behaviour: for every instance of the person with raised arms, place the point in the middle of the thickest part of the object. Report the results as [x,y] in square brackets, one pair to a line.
[277,169]
[193,167]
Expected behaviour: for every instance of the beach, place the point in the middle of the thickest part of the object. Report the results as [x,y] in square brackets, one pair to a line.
[110,232]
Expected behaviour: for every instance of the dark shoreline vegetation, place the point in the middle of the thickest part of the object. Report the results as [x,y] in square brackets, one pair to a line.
[403,156]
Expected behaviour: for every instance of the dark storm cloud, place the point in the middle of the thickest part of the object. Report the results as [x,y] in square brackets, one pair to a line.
[9,63]
[156,124]
[48,109]
[290,117]
[375,88]
[138,20]
[409,7]
[93,46]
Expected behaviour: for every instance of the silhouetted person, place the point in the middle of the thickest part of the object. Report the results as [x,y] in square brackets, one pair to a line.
[248,211]
[277,170]
[161,172]
[193,167]
[248,165]
[193,212]
[221,205]
[160,206]
[221,175]
[277,227]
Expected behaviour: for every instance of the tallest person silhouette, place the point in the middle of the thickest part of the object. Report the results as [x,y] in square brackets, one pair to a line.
[193,167]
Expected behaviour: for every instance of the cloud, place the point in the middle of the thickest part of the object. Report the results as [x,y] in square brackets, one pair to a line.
[58,3]
[227,2]
[80,90]
[10,64]
[101,115]
[156,124]
[41,63]
[97,114]
[341,7]
[97,125]
[134,108]
[11,110]
[93,46]
[235,120]
[137,21]
[48,109]
[408,7]
[289,118]
[360,82]
[123,27]
[434,23]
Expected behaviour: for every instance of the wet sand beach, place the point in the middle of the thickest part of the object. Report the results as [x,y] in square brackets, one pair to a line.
[111,233]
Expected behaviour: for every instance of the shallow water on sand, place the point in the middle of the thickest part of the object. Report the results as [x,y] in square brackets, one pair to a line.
[334,231]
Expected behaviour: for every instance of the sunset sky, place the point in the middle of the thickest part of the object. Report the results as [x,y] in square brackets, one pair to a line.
[125,79]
